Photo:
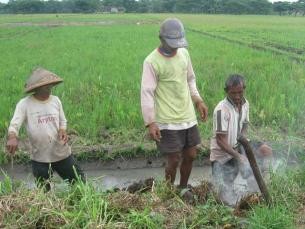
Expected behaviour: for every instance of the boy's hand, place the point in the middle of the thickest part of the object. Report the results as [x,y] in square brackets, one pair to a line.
[63,136]
[12,144]
[202,109]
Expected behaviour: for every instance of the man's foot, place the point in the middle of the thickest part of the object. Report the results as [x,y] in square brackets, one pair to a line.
[186,194]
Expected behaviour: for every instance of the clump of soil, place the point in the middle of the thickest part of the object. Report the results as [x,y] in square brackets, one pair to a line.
[141,186]
[124,201]
[202,191]
[246,203]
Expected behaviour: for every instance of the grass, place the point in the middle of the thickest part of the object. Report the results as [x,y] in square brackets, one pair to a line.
[100,58]
[83,206]
[102,65]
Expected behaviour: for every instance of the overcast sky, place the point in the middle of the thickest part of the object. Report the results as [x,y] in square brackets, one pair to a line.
[5,1]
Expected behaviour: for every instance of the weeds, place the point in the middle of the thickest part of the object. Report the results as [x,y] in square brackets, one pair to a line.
[276,217]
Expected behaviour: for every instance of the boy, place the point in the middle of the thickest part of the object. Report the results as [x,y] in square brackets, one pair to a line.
[46,125]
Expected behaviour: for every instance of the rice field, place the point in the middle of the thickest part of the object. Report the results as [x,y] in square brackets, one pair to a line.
[100,58]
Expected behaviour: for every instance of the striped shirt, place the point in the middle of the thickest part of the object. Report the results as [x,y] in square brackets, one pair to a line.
[227,120]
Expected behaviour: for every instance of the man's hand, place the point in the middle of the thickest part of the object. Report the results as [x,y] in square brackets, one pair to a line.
[12,144]
[63,136]
[242,159]
[154,132]
[202,109]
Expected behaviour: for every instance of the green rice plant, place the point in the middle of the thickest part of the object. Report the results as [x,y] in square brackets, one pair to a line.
[275,217]
[284,189]
[212,215]
[165,191]
[299,177]
[86,208]
[143,220]
[6,185]
[3,158]
[101,64]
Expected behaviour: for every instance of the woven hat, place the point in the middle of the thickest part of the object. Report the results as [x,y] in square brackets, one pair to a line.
[41,77]
[172,31]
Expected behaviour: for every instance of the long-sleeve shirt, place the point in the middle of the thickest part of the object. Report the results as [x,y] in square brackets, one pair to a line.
[150,81]
[43,120]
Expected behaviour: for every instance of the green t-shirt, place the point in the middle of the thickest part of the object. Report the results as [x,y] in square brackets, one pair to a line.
[173,102]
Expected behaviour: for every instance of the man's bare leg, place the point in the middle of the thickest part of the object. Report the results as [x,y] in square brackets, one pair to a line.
[188,155]
[173,160]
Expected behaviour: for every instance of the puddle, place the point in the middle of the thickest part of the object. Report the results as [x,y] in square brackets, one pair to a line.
[109,178]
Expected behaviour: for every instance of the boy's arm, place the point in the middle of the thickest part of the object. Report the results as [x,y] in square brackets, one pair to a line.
[62,125]
[13,130]
[197,100]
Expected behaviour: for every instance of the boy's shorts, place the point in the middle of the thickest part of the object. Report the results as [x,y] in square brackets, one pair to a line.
[174,141]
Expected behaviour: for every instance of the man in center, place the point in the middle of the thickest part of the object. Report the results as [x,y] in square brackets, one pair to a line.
[168,97]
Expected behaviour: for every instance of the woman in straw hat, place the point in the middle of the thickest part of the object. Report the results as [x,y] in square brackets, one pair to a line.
[46,125]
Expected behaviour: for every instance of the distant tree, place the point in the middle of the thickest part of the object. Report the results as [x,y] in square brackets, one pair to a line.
[144,6]
[188,6]
[53,6]
[2,7]
[301,7]
[130,5]
[260,7]
[281,7]
[236,7]
[85,6]
[209,6]
[25,6]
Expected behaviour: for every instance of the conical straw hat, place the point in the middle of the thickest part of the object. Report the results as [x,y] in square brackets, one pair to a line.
[41,77]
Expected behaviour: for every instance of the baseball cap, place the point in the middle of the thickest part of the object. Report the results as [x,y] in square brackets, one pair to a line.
[172,31]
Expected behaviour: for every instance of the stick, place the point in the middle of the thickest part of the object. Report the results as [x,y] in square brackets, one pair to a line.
[12,162]
[259,179]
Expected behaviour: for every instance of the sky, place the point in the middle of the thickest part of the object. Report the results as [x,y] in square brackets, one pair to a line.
[5,1]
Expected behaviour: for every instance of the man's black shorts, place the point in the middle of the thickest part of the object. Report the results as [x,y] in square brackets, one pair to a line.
[174,141]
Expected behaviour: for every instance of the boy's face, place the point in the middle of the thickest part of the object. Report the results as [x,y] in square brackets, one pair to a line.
[236,93]
[44,90]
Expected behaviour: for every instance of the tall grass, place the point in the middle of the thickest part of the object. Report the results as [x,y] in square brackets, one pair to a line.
[102,65]
[83,206]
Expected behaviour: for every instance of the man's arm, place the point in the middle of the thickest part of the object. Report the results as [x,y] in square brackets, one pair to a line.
[244,129]
[197,100]
[222,139]
[148,87]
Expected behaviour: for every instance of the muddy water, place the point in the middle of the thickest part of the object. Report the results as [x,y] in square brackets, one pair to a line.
[107,177]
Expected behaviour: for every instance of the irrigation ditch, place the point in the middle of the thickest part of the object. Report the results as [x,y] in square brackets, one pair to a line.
[129,192]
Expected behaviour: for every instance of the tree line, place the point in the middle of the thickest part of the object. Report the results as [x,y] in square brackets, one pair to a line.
[154,6]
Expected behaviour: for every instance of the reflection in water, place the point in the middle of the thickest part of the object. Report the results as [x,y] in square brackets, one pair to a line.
[110,178]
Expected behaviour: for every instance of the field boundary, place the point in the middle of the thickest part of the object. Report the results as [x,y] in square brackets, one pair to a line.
[276,49]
